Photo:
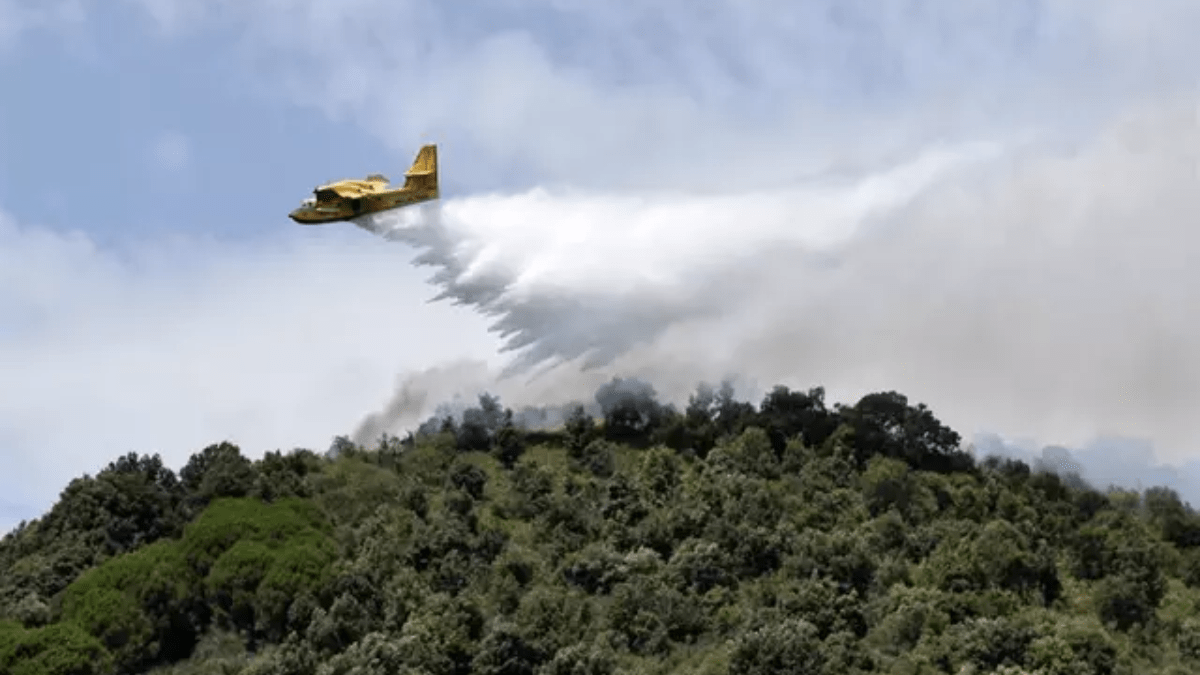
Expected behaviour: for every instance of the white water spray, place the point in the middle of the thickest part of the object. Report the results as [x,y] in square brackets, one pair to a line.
[1043,293]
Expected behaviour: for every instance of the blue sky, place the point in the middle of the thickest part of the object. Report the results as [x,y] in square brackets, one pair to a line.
[218,114]
[107,130]
[154,297]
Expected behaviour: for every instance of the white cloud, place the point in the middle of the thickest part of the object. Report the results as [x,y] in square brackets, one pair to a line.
[171,16]
[21,17]
[172,150]
[177,344]
[659,93]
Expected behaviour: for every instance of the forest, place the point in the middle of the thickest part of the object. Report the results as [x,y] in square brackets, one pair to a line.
[632,537]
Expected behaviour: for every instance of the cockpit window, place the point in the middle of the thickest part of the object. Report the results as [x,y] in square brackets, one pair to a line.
[311,201]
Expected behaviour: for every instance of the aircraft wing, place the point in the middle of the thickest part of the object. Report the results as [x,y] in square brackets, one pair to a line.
[350,189]
[329,194]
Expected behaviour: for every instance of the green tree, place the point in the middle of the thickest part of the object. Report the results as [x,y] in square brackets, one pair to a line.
[139,605]
[1171,517]
[509,443]
[788,415]
[580,430]
[649,615]
[442,636]
[375,654]
[582,659]
[58,649]
[480,424]
[889,483]
[885,424]
[1115,549]
[132,502]
[598,457]
[504,651]
[786,647]
[749,453]
[219,470]
[468,478]
[279,475]
[1188,641]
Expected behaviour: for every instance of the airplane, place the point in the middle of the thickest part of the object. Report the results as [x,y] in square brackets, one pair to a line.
[352,198]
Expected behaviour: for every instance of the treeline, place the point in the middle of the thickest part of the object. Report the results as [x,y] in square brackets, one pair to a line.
[785,537]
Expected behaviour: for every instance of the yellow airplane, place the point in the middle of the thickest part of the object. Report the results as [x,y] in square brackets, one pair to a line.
[349,199]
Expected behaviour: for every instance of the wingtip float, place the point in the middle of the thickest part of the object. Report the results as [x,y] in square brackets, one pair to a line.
[354,198]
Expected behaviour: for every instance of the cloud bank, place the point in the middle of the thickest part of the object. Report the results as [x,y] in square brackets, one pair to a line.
[172,346]
[662,94]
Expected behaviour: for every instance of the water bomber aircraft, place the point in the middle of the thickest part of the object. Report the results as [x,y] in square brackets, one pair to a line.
[352,198]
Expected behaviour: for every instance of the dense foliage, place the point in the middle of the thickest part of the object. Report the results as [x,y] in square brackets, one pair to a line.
[788,537]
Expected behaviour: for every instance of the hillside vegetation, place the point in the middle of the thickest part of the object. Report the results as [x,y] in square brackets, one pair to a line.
[789,537]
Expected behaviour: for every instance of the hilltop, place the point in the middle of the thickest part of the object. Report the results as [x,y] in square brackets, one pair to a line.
[790,536]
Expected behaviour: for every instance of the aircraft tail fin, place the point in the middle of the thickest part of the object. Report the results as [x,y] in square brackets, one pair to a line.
[426,162]
[424,170]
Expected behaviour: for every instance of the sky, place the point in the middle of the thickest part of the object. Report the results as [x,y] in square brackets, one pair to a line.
[988,206]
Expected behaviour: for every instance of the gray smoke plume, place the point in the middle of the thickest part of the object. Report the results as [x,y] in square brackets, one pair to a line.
[418,394]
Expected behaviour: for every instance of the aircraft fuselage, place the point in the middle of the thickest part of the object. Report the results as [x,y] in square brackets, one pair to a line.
[319,212]
[350,199]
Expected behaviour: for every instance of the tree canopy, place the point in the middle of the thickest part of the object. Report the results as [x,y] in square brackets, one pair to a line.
[791,536]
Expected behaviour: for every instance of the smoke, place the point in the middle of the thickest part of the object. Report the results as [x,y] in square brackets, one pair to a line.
[417,394]
[1034,288]
[1127,463]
